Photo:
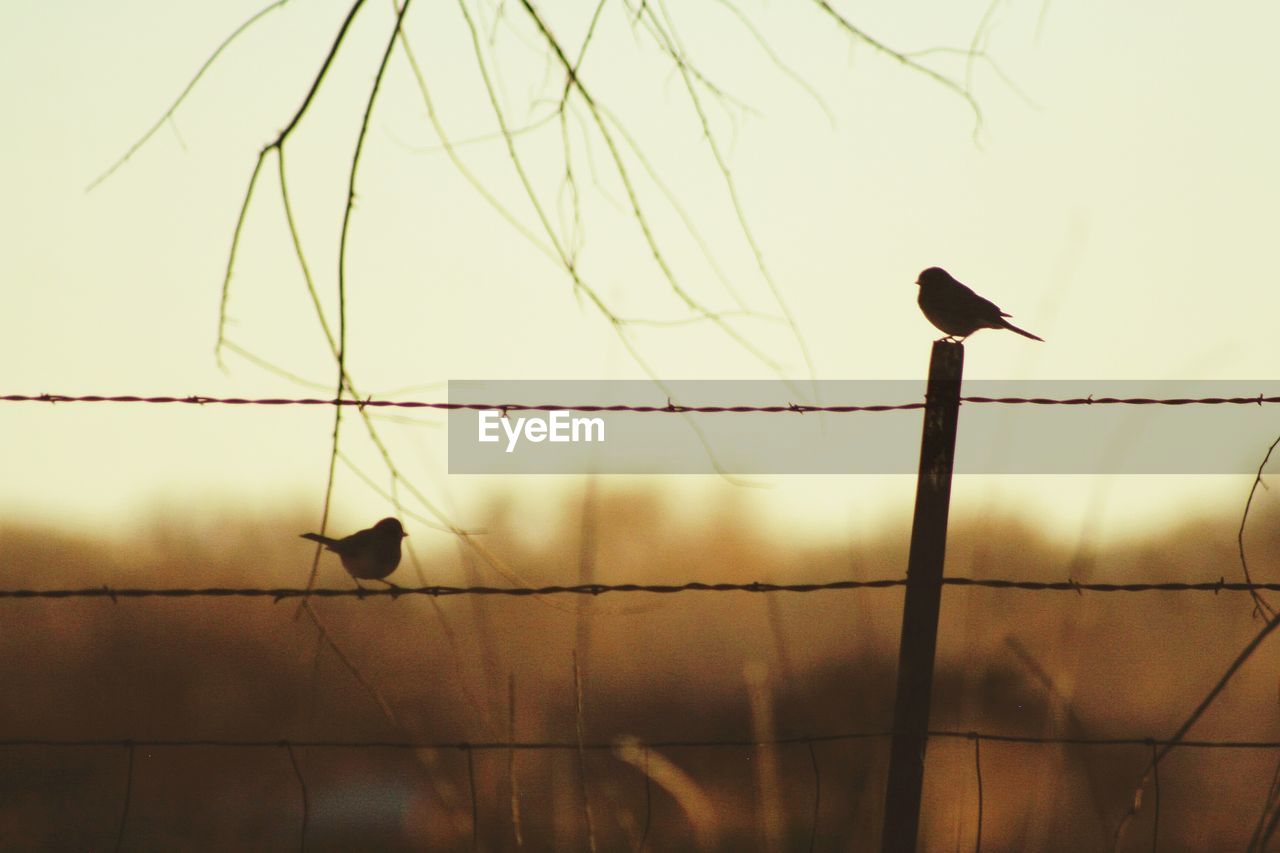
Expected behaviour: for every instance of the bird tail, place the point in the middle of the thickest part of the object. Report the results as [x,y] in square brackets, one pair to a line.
[1022,332]
[316,537]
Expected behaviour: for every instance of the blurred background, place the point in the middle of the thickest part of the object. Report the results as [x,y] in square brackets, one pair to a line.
[730,190]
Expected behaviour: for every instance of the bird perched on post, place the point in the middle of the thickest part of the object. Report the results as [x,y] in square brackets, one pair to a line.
[957,310]
[370,554]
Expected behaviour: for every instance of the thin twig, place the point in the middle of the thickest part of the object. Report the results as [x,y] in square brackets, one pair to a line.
[128,795]
[307,278]
[182,96]
[1155,822]
[582,758]
[225,296]
[906,60]
[306,800]
[344,235]
[1260,604]
[1176,739]
[977,770]
[817,798]
[276,145]
[475,801]
[450,148]
[271,367]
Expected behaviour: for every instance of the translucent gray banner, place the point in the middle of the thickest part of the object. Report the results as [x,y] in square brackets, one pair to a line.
[1032,432]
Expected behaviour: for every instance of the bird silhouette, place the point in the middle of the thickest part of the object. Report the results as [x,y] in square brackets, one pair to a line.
[957,310]
[370,554]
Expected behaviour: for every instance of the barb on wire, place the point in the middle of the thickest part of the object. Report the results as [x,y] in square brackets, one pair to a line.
[881,47]
[595,589]
[1267,831]
[637,210]
[516,828]
[277,146]
[1126,401]
[664,35]
[1266,824]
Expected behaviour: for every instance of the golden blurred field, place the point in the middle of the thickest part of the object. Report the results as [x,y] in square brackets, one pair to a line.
[694,666]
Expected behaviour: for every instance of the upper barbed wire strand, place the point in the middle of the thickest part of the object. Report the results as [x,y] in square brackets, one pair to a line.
[669,408]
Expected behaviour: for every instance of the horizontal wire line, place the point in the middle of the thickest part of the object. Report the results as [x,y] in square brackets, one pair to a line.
[669,408]
[251,743]
[279,593]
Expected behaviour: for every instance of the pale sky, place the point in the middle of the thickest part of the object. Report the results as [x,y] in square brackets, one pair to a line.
[1120,202]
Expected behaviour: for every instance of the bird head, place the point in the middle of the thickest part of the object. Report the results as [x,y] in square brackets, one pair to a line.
[390,526]
[934,275]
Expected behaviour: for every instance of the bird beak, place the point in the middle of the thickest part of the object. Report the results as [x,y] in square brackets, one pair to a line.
[403,535]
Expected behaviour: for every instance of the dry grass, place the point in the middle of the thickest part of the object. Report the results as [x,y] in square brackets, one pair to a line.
[693,666]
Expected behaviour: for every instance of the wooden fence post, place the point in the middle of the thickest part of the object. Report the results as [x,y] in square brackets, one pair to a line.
[923,598]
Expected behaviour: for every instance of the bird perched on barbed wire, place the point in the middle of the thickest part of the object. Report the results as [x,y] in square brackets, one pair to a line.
[370,554]
[957,310]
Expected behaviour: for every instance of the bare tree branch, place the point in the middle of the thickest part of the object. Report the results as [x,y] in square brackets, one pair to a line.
[182,96]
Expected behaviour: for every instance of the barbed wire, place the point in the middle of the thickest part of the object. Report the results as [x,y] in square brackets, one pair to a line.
[1158,747]
[668,408]
[594,589]
[601,745]
[618,747]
